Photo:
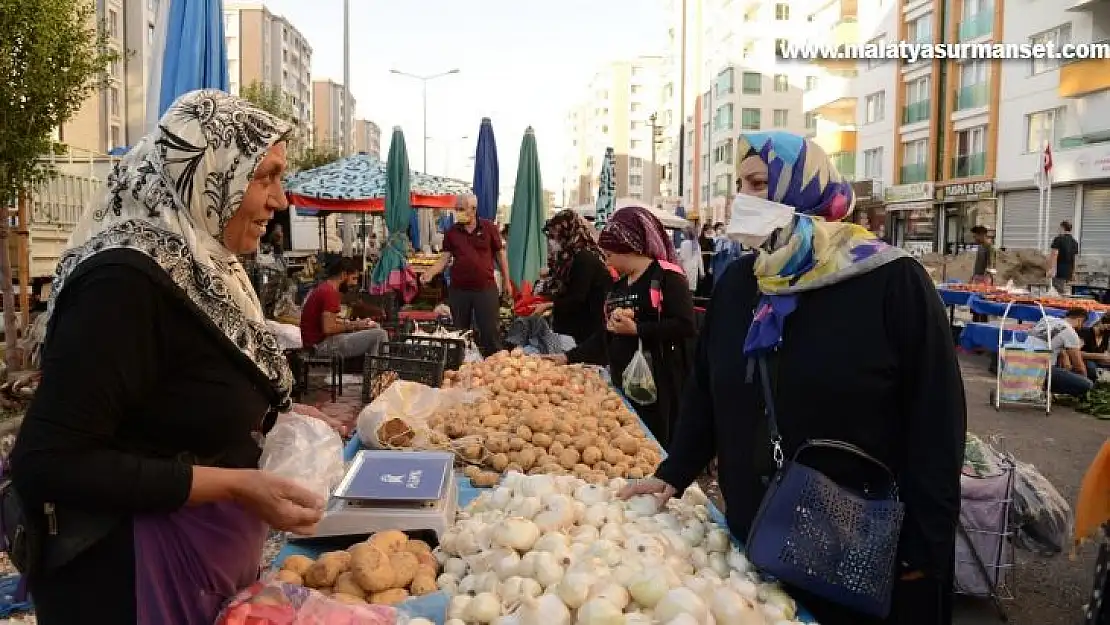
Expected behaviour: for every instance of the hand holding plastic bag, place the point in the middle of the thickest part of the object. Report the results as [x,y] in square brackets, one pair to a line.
[277,603]
[638,382]
[305,450]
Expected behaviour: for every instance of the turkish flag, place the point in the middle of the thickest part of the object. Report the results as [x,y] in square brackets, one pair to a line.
[1047,165]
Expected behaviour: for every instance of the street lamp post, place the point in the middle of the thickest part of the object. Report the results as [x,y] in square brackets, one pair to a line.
[424,94]
[447,143]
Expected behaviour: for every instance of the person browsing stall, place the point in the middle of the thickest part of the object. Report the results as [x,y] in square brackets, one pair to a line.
[1069,371]
[650,305]
[321,327]
[1062,259]
[578,280]
[857,349]
[472,247]
[984,256]
[137,462]
[1096,344]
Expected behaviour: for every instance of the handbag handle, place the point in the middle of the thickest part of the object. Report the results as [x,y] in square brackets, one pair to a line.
[828,443]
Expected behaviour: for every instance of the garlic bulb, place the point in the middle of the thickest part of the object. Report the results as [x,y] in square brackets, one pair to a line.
[483,608]
[516,589]
[574,589]
[520,534]
[612,592]
[599,612]
[543,610]
[648,587]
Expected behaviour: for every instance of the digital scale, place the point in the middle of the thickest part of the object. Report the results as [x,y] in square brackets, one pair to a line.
[393,490]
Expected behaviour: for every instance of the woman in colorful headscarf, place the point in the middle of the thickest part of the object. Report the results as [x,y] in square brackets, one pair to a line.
[858,349]
[578,279]
[650,306]
[137,461]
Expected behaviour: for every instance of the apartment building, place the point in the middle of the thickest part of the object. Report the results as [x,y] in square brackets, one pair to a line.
[328,112]
[115,116]
[1065,105]
[621,110]
[367,138]
[267,48]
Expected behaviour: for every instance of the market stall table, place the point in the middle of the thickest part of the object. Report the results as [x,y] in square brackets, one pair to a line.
[1021,312]
[984,336]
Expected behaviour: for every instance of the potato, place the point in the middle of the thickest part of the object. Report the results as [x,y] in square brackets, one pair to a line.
[346,584]
[323,572]
[416,547]
[297,563]
[485,479]
[498,462]
[541,439]
[373,578]
[393,596]
[404,565]
[471,471]
[636,473]
[289,577]
[526,457]
[472,452]
[555,449]
[346,599]
[423,585]
[591,455]
[389,541]
[613,455]
[524,433]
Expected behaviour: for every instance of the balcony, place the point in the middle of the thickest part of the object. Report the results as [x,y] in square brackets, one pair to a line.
[914,172]
[969,165]
[978,25]
[915,112]
[1084,77]
[836,141]
[973,96]
[845,163]
[844,32]
[832,100]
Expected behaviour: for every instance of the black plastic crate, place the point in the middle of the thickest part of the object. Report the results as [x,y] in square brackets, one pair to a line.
[455,348]
[402,348]
[380,371]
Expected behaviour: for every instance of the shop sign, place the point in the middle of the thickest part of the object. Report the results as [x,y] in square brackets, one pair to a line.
[966,191]
[867,190]
[912,192]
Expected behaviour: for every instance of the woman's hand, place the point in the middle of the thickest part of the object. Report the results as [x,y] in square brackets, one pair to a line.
[542,307]
[622,321]
[653,486]
[559,359]
[283,504]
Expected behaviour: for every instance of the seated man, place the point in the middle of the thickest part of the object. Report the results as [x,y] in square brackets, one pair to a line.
[1069,374]
[321,327]
[1096,341]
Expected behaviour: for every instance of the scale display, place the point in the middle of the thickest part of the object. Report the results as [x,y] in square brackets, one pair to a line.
[396,476]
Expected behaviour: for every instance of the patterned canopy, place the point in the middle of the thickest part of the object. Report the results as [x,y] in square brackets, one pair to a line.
[357,184]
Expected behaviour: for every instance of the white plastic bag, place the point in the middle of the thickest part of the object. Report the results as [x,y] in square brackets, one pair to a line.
[637,381]
[398,418]
[305,450]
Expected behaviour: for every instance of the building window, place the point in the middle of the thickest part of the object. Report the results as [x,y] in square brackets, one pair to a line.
[723,118]
[721,185]
[750,119]
[915,152]
[1058,36]
[1044,127]
[971,148]
[705,133]
[921,29]
[779,118]
[782,83]
[873,164]
[635,144]
[636,180]
[874,107]
[635,163]
[113,100]
[782,12]
[752,83]
[636,89]
[724,82]
[872,63]
[605,130]
[636,70]
[811,121]
[115,137]
[917,101]
[150,33]
[780,46]
[635,106]
[113,24]
[705,162]
[811,83]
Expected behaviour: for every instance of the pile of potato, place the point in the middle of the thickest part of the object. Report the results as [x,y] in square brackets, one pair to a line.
[384,570]
[540,417]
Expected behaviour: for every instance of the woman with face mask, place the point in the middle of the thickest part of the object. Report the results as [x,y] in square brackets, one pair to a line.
[650,305]
[577,279]
[857,348]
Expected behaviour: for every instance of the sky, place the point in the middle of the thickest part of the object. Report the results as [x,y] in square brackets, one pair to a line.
[521,63]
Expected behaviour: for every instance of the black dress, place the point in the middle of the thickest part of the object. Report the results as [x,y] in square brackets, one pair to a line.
[665,331]
[136,389]
[579,311]
[869,361]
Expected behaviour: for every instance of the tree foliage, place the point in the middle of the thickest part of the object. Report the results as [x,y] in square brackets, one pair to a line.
[270,98]
[52,58]
[315,156]
[303,154]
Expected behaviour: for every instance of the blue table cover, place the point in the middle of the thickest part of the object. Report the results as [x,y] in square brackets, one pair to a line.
[1021,312]
[953,298]
[985,336]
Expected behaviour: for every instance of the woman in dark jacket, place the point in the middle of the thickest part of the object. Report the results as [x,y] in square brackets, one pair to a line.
[859,351]
[705,242]
[650,305]
[578,278]
[138,459]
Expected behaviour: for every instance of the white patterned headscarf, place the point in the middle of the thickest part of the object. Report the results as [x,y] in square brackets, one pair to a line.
[170,199]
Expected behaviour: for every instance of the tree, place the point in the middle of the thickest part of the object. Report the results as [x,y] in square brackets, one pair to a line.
[270,98]
[315,156]
[52,58]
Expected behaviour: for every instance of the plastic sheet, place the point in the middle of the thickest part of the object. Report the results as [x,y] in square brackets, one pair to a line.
[276,603]
[1042,518]
[398,418]
[306,450]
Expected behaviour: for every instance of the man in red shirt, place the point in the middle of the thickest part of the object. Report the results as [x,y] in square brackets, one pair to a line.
[321,327]
[472,246]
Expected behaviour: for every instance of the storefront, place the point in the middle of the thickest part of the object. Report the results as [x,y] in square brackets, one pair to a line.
[869,211]
[965,205]
[911,217]
[1022,219]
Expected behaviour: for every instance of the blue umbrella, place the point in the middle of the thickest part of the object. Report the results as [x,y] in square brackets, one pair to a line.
[486,172]
[195,52]
[414,230]
[606,190]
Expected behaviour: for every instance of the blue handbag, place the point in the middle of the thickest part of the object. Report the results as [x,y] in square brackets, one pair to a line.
[832,541]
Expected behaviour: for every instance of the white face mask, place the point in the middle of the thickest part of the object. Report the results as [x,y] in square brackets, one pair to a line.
[754,220]
[554,246]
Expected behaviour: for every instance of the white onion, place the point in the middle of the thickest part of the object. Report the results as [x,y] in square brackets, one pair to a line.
[599,612]
[681,601]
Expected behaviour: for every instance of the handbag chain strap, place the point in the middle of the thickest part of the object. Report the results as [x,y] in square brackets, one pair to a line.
[769,411]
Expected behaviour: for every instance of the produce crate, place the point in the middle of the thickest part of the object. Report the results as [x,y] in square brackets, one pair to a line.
[380,371]
[455,348]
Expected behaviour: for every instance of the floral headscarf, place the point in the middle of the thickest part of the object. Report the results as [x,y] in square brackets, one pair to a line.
[170,199]
[816,250]
[634,230]
[573,234]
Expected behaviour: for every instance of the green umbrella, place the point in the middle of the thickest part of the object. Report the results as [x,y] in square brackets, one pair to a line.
[527,242]
[392,272]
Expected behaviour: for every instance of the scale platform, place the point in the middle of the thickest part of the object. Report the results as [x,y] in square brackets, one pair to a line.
[393,490]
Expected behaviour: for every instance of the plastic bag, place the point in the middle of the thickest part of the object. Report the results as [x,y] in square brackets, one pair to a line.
[638,382]
[305,450]
[1041,517]
[277,603]
[398,418]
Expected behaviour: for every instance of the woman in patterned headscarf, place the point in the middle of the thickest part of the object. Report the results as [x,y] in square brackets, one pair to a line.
[858,349]
[649,307]
[578,279]
[137,461]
